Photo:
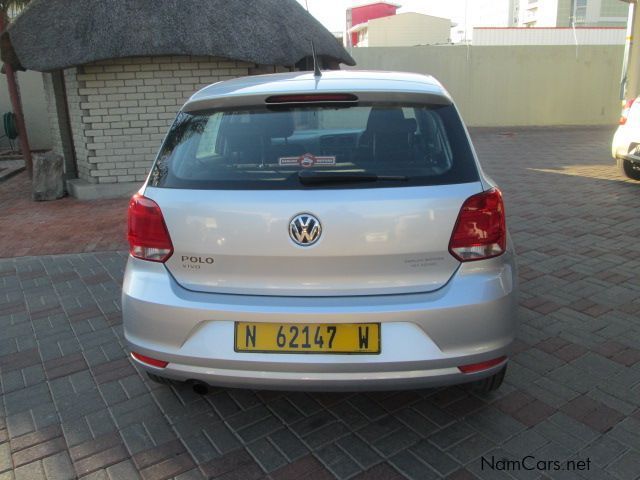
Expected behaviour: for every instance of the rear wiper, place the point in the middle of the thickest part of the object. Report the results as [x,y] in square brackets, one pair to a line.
[310,177]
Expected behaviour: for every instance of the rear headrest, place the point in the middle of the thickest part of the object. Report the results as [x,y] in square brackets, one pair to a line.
[385,119]
[264,125]
[238,135]
[278,125]
[411,125]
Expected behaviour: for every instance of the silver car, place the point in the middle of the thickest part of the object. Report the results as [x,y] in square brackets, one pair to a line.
[320,233]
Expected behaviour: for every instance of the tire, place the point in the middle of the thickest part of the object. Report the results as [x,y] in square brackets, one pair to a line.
[489,384]
[627,169]
[157,379]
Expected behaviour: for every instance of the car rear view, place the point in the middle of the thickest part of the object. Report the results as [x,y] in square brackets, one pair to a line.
[320,233]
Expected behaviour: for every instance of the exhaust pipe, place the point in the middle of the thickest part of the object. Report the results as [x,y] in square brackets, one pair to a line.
[200,388]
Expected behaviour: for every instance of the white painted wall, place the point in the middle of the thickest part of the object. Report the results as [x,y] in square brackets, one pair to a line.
[548,36]
[516,85]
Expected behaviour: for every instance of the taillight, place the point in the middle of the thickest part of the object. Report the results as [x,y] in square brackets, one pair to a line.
[481,230]
[154,362]
[148,235]
[625,111]
[478,367]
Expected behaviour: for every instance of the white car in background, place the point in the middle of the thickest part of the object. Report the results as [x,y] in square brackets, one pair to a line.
[625,148]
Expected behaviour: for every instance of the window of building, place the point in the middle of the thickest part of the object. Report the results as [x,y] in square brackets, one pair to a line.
[580,12]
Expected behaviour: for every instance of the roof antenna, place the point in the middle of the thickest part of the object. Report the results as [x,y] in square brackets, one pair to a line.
[316,63]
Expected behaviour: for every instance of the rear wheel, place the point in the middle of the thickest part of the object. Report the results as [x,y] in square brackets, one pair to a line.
[489,384]
[628,169]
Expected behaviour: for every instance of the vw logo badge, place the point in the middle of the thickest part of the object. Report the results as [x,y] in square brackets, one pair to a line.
[305,229]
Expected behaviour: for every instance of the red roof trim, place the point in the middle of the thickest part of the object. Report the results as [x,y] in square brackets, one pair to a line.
[369,4]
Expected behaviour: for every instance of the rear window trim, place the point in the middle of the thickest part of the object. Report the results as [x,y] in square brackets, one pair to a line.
[273,184]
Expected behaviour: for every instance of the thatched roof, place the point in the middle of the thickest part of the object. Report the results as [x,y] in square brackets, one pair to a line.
[54,34]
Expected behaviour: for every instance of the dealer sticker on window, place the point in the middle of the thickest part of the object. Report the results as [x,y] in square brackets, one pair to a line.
[306,161]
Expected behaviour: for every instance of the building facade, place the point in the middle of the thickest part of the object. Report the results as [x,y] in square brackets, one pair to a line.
[362,13]
[564,13]
[485,13]
[403,30]
[494,13]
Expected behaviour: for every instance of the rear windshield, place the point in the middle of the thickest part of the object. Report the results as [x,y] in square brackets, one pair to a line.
[262,148]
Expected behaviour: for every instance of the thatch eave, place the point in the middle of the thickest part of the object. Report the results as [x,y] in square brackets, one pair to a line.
[57,34]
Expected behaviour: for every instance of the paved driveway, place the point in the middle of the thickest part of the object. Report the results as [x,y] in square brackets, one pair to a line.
[64,226]
[74,405]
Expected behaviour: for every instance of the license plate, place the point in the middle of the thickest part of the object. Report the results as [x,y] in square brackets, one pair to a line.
[340,338]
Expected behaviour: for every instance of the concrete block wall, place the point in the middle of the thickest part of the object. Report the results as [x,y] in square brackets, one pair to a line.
[121,109]
[524,85]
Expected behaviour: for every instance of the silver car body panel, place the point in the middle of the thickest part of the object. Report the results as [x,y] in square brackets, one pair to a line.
[424,336]
[369,86]
[371,244]
[382,258]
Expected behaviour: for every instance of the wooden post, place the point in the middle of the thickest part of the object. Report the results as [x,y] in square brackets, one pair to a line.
[16,104]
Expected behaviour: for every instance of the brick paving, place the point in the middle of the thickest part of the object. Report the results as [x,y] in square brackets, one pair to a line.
[73,405]
[10,168]
[62,226]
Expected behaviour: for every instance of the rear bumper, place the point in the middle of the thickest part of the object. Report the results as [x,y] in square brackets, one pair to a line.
[321,381]
[424,337]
